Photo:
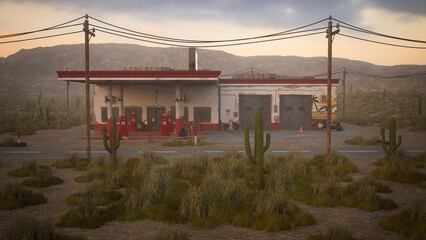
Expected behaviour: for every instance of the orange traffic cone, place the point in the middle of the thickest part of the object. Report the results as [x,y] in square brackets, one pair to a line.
[301,130]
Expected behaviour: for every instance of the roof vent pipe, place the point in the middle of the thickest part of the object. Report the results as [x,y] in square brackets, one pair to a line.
[193,59]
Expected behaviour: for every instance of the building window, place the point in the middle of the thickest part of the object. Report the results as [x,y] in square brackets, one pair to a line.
[104,113]
[323,98]
[203,114]
[186,113]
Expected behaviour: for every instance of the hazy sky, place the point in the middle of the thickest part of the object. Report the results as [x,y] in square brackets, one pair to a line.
[227,19]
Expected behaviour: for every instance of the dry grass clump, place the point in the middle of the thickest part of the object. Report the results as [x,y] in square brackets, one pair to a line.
[41,176]
[176,142]
[410,222]
[97,193]
[171,233]
[334,164]
[88,215]
[358,140]
[364,195]
[29,228]
[72,160]
[399,168]
[14,196]
[191,168]
[333,233]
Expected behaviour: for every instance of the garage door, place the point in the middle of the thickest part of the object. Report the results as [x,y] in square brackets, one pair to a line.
[295,111]
[248,107]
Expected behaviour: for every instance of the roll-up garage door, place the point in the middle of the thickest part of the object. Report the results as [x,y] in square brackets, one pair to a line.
[295,111]
[248,105]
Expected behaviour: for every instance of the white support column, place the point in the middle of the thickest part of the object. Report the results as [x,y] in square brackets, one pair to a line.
[182,105]
[177,109]
[122,99]
[110,102]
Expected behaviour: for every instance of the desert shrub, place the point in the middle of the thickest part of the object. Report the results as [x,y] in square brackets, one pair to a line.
[171,233]
[29,228]
[176,142]
[217,186]
[14,196]
[410,222]
[87,215]
[364,195]
[358,140]
[152,189]
[7,142]
[113,180]
[402,175]
[197,204]
[72,160]
[326,192]
[333,233]
[334,164]
[191,168]
[97,161]
[41,176]
[28,169]
[97,193]
[422,184]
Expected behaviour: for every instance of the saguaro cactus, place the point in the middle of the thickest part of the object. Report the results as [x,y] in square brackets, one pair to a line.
[114,143]
[393,145]
[256,160]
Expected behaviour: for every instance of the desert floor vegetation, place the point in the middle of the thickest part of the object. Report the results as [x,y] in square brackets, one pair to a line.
[40,176]
[14,196]
[375,108]
[400,168]
[410,222]
[29,228]
[176,142]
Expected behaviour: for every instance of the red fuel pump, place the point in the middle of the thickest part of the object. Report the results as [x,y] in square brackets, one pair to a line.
[132,127]
[169,121]
[164,126]
[123,125]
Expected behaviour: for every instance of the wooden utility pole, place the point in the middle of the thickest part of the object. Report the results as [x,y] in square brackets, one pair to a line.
[68,101]
[344,92]
[330,34]
[87,32]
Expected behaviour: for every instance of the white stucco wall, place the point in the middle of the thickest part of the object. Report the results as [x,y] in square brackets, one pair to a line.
[230,100]
[143,96]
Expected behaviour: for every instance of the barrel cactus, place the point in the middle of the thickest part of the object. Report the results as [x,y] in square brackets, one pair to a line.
[256,160]
[393,144]
[114,143]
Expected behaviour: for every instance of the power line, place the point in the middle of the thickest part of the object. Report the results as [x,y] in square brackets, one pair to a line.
[209,46]
[185,41]
[157,37]
[359,29]
[382,43]
[358,73]
[58,26]
[36,38]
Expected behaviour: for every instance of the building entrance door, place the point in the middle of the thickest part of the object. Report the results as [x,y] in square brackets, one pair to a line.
[155,114]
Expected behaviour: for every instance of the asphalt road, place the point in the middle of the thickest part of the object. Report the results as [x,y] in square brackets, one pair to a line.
[309,143]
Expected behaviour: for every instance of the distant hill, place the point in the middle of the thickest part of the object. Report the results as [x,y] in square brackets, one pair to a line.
[28,72]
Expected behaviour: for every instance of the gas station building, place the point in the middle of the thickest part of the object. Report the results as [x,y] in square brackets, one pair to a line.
[201,99]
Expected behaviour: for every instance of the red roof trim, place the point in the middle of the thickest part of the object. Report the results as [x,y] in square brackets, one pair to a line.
[277,81]
[140,74]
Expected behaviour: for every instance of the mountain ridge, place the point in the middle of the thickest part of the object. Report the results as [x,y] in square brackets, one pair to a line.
[29,71]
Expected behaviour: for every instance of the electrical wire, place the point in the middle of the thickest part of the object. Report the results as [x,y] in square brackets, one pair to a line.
[157,37]
[142,36]
[362,74]
[209,46]
[382,43]
[355,28]
[36,38]
[58,26]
